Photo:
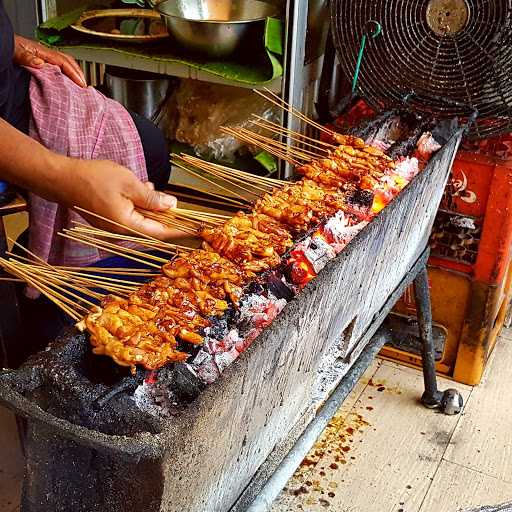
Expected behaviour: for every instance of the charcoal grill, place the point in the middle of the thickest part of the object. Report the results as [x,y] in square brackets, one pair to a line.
[117,458]
[89,448]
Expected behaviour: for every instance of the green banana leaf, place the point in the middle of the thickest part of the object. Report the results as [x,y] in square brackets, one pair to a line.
[254,68]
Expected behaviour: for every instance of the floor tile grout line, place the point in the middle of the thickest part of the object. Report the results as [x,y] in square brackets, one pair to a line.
[494,477]
[431,483]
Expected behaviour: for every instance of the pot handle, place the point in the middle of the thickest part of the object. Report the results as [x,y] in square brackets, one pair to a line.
[144,445]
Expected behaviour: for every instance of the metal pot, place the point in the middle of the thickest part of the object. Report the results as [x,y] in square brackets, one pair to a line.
[214,28]
[140,92]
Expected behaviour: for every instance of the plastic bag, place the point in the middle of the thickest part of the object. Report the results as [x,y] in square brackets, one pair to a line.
[197,110]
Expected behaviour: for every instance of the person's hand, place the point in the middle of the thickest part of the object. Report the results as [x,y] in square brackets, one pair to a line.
[113,192]
[34,55]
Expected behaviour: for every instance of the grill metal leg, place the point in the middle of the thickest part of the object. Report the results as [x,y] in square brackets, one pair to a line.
[449,401]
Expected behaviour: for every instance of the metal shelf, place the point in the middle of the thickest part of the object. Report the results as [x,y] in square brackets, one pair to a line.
[112,58]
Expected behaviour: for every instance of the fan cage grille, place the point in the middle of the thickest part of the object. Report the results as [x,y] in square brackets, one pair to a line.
[450,74]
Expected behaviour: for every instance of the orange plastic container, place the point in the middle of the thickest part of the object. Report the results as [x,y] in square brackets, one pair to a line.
[477,206]
[470,267]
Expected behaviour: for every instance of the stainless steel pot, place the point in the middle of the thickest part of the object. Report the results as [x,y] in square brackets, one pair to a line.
[213,27]
[140,92]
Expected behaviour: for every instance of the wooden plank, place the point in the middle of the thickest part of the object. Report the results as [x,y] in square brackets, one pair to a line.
[457,488]
[386,462]
[483,441]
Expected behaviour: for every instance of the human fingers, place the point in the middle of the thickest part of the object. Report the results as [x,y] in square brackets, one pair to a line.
[146,197]
[66,63]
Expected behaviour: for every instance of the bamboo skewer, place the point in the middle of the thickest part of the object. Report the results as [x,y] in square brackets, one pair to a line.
[274,145]
[267,145]
[110,245]
[82,228]
[106,283]
[201,213]
[50,270]
[47,292]
[117,224]
[233,174]
[232,177]
[170,221]
[115,287]
[57,283]
[113,270]
[284,152]
[241,200]
[119,252]
[295,136]
[279,102]
[218,203]
[277,128]
[51,275]
[236,182]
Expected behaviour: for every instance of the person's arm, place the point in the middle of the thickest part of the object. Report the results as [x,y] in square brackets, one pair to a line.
[101,187]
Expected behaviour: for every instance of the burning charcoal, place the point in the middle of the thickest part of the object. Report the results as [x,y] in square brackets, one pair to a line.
[185,383]
[277,285]
[224,359]
[318,252]
[217,346]
[360,198]
[218,329]
[205,367]
[255,287]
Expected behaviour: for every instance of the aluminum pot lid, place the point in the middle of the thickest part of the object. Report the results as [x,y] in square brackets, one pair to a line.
[447,57]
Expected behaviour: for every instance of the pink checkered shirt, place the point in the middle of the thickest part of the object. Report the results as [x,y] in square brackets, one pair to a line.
[79,123]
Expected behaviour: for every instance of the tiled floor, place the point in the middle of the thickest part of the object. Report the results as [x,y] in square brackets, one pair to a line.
[384,452]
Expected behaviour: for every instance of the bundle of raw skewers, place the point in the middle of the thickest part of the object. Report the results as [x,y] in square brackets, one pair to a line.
[206,305]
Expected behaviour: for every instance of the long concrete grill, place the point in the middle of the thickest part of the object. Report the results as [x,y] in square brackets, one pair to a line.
[118,459]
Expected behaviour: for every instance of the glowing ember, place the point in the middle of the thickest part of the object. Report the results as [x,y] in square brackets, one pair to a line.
[380,201]
[151,377]
[302,270]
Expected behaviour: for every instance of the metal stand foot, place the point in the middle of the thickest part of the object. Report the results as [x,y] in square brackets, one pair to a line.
[449,401]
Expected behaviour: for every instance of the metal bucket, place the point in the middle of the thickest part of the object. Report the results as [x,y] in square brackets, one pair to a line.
[140,92]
